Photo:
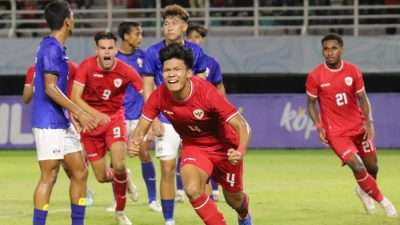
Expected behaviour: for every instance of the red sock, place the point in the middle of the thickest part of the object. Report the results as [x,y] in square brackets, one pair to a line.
[207,210]
[243,211]
[369,185]
[120,185]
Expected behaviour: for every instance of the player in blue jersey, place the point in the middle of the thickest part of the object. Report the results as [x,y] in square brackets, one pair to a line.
[131,34]
[49,120]
[167,141]
[198,34]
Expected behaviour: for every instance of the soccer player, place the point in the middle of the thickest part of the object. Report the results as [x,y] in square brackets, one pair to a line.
[49,121]
[99,88]
[345,121]
[131,34]
[214,135]
[167,141]
[73,140]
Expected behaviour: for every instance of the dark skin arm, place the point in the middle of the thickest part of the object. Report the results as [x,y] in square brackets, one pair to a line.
[314,115]
[365,106]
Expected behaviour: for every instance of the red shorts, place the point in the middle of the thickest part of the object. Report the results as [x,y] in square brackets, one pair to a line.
[98,142]
[217,166]
[346,146]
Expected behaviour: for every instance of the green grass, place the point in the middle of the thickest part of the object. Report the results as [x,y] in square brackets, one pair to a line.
[285,187]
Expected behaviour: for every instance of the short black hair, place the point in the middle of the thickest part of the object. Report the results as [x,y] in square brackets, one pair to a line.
[125,28]
[176,10]
[177,51]
[198,28]
[55,14]
[334,37]
[102,35]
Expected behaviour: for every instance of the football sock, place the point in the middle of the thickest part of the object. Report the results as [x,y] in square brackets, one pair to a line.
[214,184]
[168,209]
[179,185]
[120,186]
[207,210]
[77,214]
[368,185]
[149,177]
[39,216]
[243,210]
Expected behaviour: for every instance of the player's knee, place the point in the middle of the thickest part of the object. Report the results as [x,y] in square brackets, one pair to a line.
[49,177]
[193,191]
[355,163]
[168,170]
[119,167]
[80,174]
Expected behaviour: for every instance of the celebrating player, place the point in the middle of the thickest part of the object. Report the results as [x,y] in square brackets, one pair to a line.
[49,121]
[167,141]
[345,119]
[214,135]
[99,88]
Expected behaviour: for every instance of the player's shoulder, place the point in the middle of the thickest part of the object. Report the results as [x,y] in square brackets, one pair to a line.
[49,45]
[72,65]
[155,48]
[31,69]
[349,66]
[193,46]
[212,60]
[123,68]
[318,69]
[88,62]
[201,84]
[140,52]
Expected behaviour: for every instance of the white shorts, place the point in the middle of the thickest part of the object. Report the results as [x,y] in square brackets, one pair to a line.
[167,146]
[53,144]
[131,125]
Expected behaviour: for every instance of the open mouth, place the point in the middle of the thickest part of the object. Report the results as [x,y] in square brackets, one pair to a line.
[107,58]
[172,81]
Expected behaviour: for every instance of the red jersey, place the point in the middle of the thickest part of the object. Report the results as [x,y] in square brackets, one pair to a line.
[200,120]
[105,90]
[30,76]
[336,91]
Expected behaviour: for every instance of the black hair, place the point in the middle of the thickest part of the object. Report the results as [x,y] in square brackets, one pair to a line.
[55,14]
[198,28]
[102,35]
[176,10]
[334,37]
[177,51]
[125,28]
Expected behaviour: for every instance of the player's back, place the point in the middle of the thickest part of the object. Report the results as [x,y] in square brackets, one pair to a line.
[50,58]
[201,119]
[336,90]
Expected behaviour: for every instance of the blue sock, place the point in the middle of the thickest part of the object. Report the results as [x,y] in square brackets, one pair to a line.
[77,214]
[214,184]
[39,217]
[179,185]
[149,177]
[168,209]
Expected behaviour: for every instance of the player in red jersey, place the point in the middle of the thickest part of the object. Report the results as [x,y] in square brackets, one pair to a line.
[99,88]
[214,135]
[345,121]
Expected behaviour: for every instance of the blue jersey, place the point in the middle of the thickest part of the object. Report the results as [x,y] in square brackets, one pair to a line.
[213,71]
[50,58]
[134,101]
[153,66]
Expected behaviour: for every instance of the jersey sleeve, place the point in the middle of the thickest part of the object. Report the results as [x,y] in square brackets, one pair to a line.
[311,86]
[220,104]
[149,65]
[136,80]
[151,108]
[200,60]
[215,72]
[52,60]
[81,74]
[72,67]
[358,81]
[30,76]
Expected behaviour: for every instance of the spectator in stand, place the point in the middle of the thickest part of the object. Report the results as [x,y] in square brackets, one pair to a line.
[392,12]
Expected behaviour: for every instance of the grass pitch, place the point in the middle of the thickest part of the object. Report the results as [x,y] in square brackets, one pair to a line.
[285,188]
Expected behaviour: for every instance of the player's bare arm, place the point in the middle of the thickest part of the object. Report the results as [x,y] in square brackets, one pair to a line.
[157,129]
[137,137]
[314,115]
[242,128]
[27,94]
[52,90]
[365,106]
[76,95]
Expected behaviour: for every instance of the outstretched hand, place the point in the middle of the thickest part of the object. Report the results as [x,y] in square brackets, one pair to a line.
[134,146]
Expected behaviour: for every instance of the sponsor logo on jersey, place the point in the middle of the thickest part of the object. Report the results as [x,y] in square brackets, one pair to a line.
[117,82]
[98,75]
[198,114]
[348,81]
[139,61]
[325,85]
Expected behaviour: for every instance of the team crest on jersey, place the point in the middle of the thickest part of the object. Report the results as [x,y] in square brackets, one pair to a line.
[139,61]
[198,114]
[348,81]
[117,82]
